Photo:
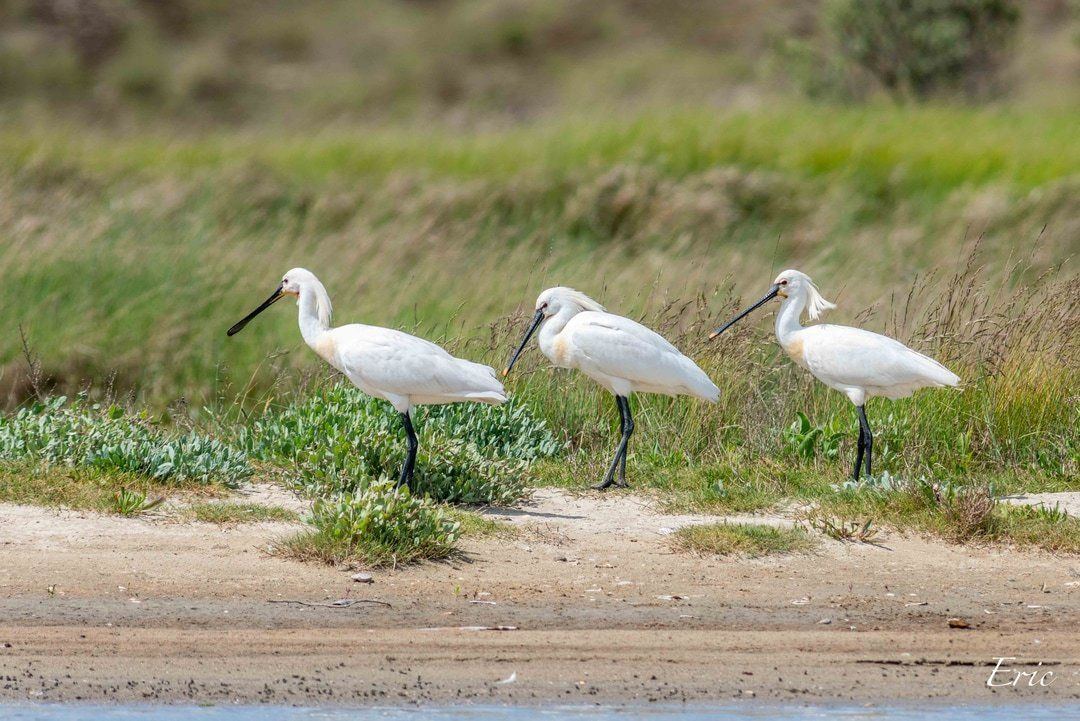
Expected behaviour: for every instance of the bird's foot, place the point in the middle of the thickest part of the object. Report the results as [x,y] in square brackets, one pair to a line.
[604,485]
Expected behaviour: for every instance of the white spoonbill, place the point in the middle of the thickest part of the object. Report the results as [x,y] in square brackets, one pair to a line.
[384,363]
[856,362]
[618,353]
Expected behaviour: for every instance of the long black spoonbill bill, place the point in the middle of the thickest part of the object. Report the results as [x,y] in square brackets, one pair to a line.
[618,353]
[856,362]
[384,363]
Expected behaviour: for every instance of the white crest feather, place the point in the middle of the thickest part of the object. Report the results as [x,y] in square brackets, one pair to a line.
[572,296]
[815,302]
[322,298]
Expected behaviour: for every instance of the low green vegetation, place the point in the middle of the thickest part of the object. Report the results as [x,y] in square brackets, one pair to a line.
[81,434]
[962,513]
[235,512]
[87,488]
[378,526]
[339,441]
[744,539]
[477,525]
[854,530]
[128,502]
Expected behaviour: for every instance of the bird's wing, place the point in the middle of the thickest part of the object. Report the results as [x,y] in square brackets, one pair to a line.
[853,356]
[616,346]
[402,364]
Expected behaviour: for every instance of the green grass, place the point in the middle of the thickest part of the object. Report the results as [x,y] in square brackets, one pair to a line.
[379,526]
[910,150]
[477,525]
[235,512]
[958,513]
[743,539]
[88,489]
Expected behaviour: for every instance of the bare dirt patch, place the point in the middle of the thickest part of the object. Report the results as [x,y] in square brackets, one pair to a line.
[105,608]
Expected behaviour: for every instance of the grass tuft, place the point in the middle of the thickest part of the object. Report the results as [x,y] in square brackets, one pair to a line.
[744,539]
[956,512]
[81,488]
[234,512]
[477,525]
[379,526]
[127,502]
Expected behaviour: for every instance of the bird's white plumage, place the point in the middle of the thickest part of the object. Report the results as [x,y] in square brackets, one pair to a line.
[407,370]
[620,354]
[852,359]
[386,363]
[856,362]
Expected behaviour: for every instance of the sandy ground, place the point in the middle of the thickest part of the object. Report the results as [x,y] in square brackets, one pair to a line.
[592,603]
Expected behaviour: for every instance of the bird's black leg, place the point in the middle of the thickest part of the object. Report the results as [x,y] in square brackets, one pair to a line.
[859,453]
[410,459]
[864,428]
[609,478]
[627,429]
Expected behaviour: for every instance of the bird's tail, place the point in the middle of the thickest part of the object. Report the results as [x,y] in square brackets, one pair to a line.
[485,385]
[490,397]
[935,372]
[700,385]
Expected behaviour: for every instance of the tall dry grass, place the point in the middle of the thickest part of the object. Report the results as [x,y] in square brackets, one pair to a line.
[1016,349]
[126,260]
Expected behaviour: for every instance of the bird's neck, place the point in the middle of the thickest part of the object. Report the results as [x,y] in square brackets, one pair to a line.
[787,320]
[551,328]
[312,325]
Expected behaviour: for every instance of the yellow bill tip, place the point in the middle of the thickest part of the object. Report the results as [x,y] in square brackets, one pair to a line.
[505,372]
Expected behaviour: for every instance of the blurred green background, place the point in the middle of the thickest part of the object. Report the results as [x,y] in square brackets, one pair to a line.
[439,162]
[469,64]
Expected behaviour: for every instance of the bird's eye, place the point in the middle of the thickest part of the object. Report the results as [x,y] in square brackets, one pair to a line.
[783,282]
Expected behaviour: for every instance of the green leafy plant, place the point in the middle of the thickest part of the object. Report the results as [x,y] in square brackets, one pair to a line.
[379,525]
[82,434]
[1051,514]
[341,440]
[808,441]
[127,502]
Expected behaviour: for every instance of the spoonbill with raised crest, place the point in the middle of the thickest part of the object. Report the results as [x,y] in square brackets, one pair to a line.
[858,363]
[382,362]
[618,353]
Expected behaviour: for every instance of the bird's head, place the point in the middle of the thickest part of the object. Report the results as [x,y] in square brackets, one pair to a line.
[548,303]
[296,282]
[791,282]
[553,300]
[791,286]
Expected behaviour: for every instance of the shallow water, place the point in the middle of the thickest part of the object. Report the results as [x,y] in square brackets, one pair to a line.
[689,712]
